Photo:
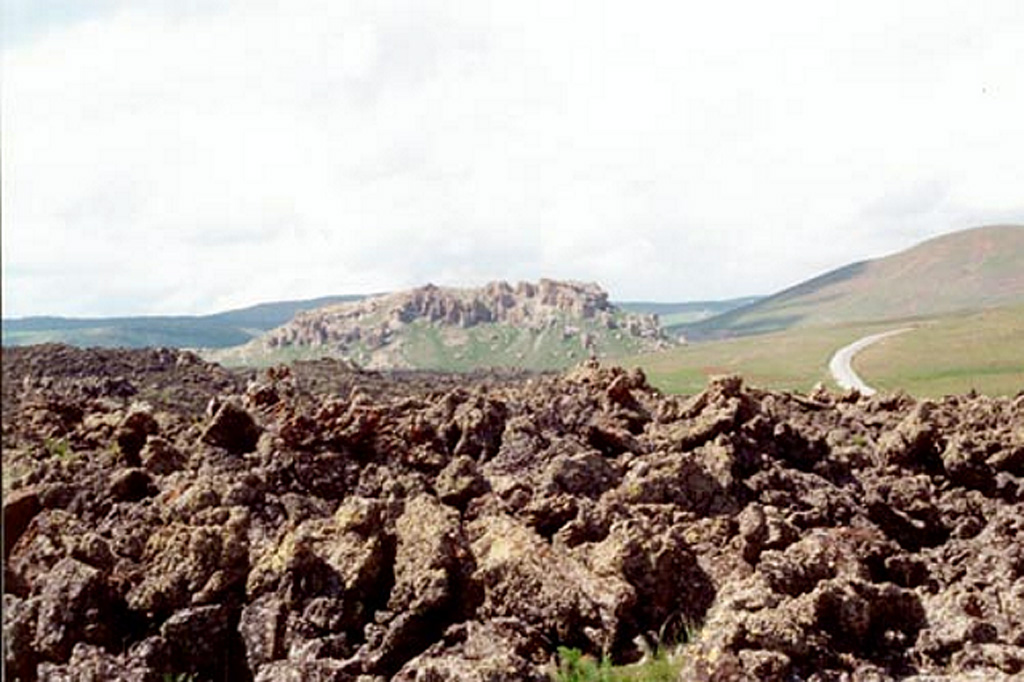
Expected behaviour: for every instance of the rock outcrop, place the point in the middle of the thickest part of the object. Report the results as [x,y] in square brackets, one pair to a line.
[572,311]
[317,522]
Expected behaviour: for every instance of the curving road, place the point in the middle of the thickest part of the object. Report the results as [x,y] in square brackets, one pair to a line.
[840,366]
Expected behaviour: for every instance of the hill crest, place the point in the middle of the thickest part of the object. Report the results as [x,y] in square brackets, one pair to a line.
[960,271]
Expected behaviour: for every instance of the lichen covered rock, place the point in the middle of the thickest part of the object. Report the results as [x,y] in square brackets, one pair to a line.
[335,524]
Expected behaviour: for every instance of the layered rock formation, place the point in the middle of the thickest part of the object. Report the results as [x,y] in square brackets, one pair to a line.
[378,321]
[320,523]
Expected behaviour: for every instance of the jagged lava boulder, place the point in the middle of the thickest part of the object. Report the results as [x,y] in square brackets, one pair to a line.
[320,522]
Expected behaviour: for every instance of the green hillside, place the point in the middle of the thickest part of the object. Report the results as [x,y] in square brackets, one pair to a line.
[548,324]
[220,330]
[428,346]
[947,354]
[962,271]
[794,360]
[981,351]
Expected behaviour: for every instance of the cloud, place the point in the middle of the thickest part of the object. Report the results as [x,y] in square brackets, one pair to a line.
[160,159]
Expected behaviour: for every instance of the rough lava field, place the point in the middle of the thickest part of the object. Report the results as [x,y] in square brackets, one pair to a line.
[165,518]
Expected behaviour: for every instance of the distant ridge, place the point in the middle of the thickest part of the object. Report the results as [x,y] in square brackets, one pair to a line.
[674,316]
[219,330]
[235,327]
[962,271]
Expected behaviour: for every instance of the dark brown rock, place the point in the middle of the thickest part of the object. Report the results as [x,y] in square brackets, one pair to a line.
[764,527]
[579,474]
[304,670]
[460,481]
[19,630]
[915,443]
[499,650]
[91,663]
[671,589]
[262,627]
[131,485]
[191,565]
[20,507]
[673,478]
[75,606]
[1009,457]
[432,564]
[133,432]
[344,557]
[520,575]
[160,457]
[51,536]
[416,526]
[197,638]
[233,429]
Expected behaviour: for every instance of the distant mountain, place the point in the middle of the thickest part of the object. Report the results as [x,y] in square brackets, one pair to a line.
[220,330]
[674,315]
[962,271]
[543,325]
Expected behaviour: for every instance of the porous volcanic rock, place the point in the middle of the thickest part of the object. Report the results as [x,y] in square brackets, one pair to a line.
[322,522]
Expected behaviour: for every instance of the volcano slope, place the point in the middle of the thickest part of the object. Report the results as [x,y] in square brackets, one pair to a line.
[172,520]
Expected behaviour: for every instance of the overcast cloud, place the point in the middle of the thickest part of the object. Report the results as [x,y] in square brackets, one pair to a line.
[187,157]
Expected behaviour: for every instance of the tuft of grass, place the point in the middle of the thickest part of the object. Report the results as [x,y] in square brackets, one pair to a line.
[179,677]
[57,448]
[575,666]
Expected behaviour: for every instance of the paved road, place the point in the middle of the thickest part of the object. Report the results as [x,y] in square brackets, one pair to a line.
[840,367]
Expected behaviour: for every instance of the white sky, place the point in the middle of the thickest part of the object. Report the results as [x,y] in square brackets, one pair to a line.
[165,156]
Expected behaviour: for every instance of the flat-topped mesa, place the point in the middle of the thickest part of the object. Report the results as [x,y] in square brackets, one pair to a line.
[525,304]
[499,302]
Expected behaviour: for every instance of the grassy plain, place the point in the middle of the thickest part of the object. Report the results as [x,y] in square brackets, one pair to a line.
[982,351]
[950,354]
[792,360]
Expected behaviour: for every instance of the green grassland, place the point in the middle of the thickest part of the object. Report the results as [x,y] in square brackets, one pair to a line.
[793,360]
[423,345]
[981,351]
[951,354]
[141,334]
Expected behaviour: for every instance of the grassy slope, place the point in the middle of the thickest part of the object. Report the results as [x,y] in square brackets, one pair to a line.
[966,270]
[950,354]
[982,351]
[421,345]
[494,345]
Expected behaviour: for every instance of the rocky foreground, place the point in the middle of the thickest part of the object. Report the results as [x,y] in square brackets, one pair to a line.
[167,519]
